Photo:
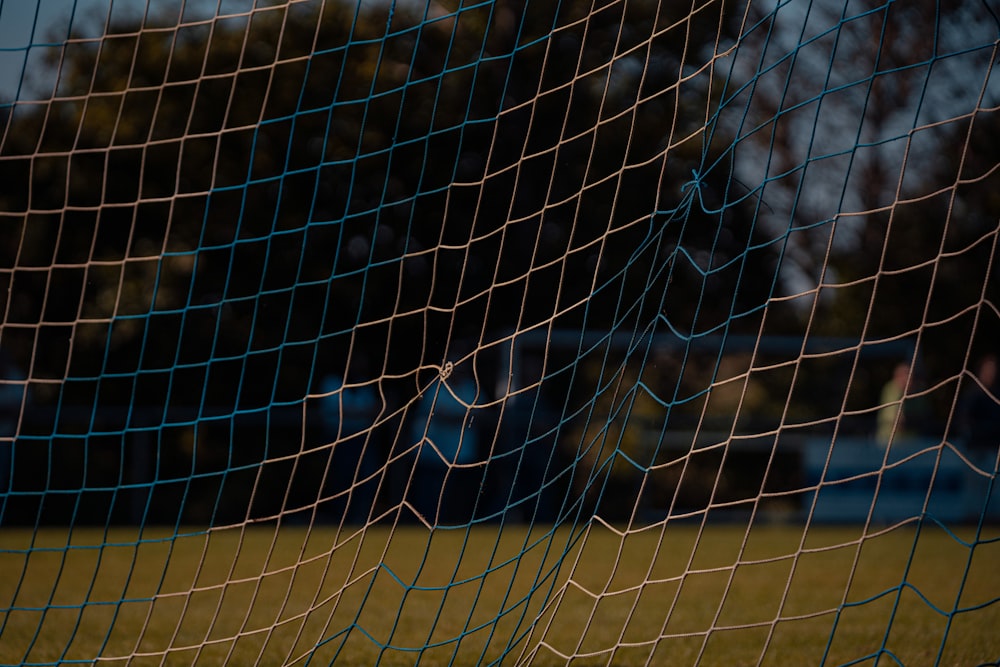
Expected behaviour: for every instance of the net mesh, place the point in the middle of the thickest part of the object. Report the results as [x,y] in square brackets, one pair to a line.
[514,331]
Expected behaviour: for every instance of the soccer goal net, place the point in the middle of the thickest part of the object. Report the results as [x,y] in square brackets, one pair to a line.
[521,332]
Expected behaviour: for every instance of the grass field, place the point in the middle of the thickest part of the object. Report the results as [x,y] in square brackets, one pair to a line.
[724,595]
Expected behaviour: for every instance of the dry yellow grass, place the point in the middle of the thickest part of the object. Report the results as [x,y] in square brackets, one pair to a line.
[678,595]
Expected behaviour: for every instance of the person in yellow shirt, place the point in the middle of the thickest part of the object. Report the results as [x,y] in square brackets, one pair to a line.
[891,419]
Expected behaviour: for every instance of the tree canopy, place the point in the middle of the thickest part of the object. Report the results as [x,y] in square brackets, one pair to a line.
[207,216]
[322,178]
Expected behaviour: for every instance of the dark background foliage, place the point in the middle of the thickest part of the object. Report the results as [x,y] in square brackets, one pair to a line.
[206,219]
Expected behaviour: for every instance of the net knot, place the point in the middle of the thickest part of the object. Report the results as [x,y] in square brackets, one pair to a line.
[446,370]
[694,183]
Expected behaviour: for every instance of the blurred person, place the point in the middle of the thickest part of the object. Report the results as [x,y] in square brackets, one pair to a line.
[979,409]
[350,411]
[444,424]
[611,448]
[12,395]
[892,416]
[521,481]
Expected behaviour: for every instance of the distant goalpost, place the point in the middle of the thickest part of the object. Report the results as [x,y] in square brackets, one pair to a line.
[503,332]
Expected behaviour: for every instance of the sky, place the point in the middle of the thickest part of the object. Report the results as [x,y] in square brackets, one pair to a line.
[28,26]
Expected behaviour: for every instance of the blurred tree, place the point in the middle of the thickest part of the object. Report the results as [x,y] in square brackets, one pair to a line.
[858,139]
[209,215]
[196,197]
[942,257]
